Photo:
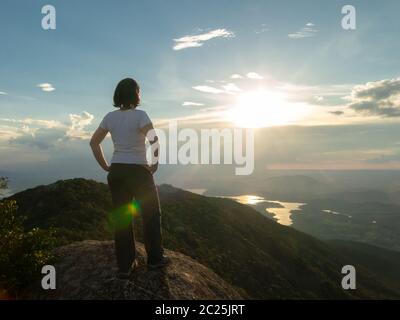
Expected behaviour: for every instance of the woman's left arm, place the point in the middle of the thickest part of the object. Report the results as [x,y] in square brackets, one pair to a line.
[95,144]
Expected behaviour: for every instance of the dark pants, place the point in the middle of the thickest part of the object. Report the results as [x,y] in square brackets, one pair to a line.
[133,193]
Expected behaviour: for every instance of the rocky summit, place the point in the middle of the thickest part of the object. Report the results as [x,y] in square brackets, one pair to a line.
[87,270]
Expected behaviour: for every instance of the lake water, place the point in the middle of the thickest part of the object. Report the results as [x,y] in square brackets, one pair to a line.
[336,213]
[284,215]
[248,199]
[280,211]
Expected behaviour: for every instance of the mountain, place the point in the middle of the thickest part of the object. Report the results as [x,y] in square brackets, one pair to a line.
[78,208]
[294,188]
[363,196]
[249,251]
[290,188]
[184,278]
[383,263]
[372,222]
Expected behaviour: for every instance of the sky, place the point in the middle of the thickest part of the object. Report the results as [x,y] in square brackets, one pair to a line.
[318,96]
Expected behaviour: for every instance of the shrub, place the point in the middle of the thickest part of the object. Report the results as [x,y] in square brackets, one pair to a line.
[23,253]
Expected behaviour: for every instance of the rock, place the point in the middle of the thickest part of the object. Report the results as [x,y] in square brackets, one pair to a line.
[86,270]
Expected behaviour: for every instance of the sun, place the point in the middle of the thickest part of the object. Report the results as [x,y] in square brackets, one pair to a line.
[263,108]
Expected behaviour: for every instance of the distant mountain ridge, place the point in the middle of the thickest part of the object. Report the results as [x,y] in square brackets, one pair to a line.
[249,251]
[283,187]
[354,218]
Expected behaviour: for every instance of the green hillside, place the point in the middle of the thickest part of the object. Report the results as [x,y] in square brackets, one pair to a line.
[382,263]
[250,251]
[371,222]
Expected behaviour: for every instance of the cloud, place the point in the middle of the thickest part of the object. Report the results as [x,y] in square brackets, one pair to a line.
[254,75]
[321,90]
[192,104]
[316,95]
[206,116]
[379,98]
[47,87]
[78,124]
[208,89]
[45,134]
[192,41]
[262,29]
[337,112]
[307,31]
[231,88]
[235,76]
[386,158]
[2,93]
[42,138]
[37,122]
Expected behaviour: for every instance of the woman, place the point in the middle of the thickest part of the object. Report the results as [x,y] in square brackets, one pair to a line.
[130,178]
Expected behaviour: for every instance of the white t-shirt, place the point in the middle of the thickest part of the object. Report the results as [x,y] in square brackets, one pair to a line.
[129,142]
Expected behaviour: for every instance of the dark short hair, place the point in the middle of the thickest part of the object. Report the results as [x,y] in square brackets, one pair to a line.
[126,94]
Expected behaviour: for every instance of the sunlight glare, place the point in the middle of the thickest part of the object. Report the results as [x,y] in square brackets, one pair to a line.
[264,108]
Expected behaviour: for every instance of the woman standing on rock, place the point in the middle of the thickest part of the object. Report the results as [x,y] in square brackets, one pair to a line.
[130,178]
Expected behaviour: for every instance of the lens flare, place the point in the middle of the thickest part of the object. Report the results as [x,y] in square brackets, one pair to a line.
[122,216]
[134,208]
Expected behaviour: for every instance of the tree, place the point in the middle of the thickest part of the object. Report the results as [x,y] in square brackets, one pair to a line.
[3,184]
[23,253]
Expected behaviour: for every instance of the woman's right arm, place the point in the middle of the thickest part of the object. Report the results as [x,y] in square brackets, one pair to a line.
[150,134]
[95,144]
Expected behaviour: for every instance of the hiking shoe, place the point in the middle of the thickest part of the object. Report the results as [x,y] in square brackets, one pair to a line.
[126,275]
[162,263]
[135,265]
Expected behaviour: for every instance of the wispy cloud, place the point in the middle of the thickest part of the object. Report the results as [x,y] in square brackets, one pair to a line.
[329,94]
[249,75]
[337,112]
[46,87]
[205,116]
[386,156]
[208,89]
[262,29]
[2,93]
[229,88]
[192,104]
[236,76]
[36,122]
[307,31]
[254,75]
[192,41]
